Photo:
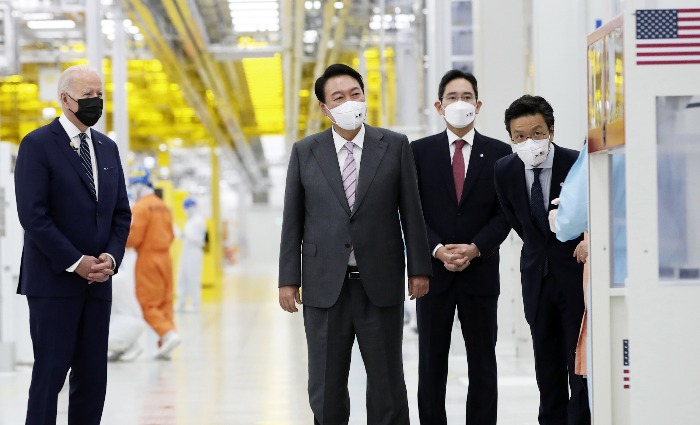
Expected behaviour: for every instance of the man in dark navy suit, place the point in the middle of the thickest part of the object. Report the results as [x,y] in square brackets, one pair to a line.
[526,182]
[465,228]
[73,206]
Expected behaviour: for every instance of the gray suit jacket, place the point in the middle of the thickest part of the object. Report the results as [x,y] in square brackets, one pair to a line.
[318,228]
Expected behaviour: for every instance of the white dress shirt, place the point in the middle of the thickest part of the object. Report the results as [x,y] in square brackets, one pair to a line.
[466,149]
[545,176]
[339,142]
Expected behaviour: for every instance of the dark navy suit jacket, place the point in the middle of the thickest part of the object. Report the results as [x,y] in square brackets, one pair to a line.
[475,219]
[512,193]
[60,216]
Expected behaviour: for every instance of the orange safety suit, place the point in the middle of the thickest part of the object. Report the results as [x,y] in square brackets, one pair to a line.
[151,235]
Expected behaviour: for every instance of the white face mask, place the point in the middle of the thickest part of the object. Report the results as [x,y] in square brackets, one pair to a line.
[349,115]
[532,152]
[459,114]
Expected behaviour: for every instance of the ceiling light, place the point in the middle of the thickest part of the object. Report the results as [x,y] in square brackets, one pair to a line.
[310,36]
[338,5]
[57,24]
[258,5]
[37,16]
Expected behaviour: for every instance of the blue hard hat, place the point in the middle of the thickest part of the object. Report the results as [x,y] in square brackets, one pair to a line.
[140,176]
[188,202]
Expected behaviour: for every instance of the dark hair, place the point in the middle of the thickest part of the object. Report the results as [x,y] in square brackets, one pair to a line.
[453,75]
[333,71]
[530,105]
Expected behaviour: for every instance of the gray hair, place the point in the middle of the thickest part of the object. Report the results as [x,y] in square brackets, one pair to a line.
[65,82]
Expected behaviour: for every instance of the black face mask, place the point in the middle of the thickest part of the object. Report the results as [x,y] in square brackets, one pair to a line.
[89,110]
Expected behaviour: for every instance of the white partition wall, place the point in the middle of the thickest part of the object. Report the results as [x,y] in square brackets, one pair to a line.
[15,343]
[643,326]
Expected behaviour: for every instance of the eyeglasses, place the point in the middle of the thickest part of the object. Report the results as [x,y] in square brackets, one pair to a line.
[453,98]
[537,135]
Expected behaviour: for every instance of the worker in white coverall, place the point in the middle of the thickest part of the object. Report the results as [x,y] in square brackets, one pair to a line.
[126,324]
[189,282]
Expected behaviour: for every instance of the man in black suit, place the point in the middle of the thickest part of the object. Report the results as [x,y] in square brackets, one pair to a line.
[72,204]
[465,228]
[350,203]
[526,183]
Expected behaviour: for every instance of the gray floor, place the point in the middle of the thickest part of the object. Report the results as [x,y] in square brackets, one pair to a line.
[243,361]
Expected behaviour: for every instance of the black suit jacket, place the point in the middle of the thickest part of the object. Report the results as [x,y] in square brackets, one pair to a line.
[475,219]
[512,194]
[60,216]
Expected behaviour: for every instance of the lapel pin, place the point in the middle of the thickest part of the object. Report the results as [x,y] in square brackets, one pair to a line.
[481,155]
[561,184]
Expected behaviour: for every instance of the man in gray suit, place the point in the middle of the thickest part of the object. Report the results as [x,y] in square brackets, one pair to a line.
[350,192]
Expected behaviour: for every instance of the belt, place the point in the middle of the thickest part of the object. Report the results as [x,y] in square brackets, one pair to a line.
[352,273]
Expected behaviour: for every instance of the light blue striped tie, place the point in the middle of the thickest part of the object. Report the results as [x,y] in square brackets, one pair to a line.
[350,175]
[87,162]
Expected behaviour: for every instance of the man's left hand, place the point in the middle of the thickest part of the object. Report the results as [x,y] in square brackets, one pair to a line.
[418,286]
[581,252]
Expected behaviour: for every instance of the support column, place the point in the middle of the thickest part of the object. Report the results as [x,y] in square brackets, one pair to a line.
[120,109]
[94,44]
[559,64]
[501,75]
[438,57]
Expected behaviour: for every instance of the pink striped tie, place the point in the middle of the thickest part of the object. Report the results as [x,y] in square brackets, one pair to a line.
[350,175]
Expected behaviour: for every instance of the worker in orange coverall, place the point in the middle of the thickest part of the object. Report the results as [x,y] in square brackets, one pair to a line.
[151,235]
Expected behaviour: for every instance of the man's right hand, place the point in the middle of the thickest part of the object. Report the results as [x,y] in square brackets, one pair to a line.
[289,297]
[84,268]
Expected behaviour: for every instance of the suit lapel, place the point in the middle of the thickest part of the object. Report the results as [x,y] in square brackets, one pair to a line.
[476,162]
[373,150]
[63,143]
[518,188]
[327,158]
[98,148]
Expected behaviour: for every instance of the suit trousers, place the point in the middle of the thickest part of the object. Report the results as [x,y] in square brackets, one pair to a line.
[68,333]
[330,335]
[554,337]
[479,325]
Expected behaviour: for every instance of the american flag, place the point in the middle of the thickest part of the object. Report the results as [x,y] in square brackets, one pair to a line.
[668,36]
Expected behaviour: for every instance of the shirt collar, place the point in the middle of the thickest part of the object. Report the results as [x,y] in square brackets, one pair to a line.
[71,129]
[548,162]
[339,141]
[469,137]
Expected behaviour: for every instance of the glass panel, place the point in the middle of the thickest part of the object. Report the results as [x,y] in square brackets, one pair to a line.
[462,42]
[619,221]
[465,66]
[596,111]
[461,13]
[678,153]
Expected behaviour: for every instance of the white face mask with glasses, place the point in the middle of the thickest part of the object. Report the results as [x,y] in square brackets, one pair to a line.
[459,114]
[532,152]
[349,115]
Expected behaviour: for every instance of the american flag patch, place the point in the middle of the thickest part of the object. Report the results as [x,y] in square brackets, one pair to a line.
[626,364]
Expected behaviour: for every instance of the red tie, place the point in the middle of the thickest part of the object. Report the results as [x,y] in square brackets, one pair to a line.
[458,168]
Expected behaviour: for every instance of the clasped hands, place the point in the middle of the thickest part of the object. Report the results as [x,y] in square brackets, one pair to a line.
[457,257]
[95,269]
